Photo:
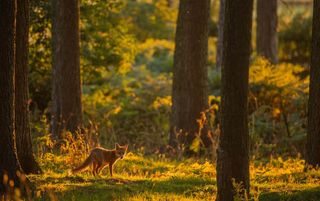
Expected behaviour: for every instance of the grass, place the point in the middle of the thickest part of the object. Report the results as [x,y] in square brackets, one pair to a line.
[136,178]
[154,178]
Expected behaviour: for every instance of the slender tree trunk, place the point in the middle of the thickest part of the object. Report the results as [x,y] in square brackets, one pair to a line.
[220,35]
[190,93]
[9,164]
[313,135]
[66,96]
[267,20]
[23,137]
[233,150]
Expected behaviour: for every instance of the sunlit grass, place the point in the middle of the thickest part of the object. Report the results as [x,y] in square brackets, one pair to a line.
[155,178]
[136,178]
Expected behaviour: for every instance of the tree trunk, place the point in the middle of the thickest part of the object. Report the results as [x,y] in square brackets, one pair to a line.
[190,82]
[23,137]
[233,150]
[220,35]
[9,164]
[66,97]
[313,135]
[267,20]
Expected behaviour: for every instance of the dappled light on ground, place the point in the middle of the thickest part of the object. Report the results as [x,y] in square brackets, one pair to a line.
[154,178]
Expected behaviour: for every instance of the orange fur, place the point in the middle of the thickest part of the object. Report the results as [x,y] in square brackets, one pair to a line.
[99,158]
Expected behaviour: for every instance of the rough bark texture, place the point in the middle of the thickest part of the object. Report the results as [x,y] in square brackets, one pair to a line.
[313,136]
[220,34]
[8,156]
[233,150]
[23,137]
[267,20]
[190,93]
[66,97]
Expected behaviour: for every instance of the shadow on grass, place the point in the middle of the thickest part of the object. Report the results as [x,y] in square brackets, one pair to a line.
[300,177]
[312,194]
[117,189]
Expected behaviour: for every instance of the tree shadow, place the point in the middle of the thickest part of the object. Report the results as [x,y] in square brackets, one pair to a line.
[311,194]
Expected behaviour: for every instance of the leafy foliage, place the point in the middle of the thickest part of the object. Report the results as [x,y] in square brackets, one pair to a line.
[295,38]
[150,19]
[278,98]
[109,34]
[277,107]
[156,55]
[105,42]
[132,107]
[40,53]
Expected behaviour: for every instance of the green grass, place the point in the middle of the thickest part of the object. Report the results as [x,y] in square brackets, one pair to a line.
[153,178]
[136,178]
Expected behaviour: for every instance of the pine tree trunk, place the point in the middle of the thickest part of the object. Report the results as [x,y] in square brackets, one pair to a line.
[23,137]
[220,35]
[190,82]
[233,150]
[313,135]
[267,20]
[66,96]
[9,164]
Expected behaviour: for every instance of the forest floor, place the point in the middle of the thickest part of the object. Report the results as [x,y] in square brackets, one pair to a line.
[154,178]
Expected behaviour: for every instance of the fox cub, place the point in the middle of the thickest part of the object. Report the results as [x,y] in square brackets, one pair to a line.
[99,158]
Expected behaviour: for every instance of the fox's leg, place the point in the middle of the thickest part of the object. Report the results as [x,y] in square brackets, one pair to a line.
[110,168]
[98,167]
[94,167]
[101,168]
[95,170]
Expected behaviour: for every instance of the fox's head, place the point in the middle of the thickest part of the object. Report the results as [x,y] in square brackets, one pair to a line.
[121,150]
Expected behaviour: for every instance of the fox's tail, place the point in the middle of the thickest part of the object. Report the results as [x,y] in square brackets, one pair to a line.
[83,166]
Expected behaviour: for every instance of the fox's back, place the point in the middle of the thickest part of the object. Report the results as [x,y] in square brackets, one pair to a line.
[100,153]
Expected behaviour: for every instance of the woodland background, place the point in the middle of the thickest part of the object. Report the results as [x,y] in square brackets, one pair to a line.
[127,67]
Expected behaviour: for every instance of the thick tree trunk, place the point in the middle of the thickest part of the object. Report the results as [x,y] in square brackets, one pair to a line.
[267,20]
[313,136]
[66,97]
[23,137]
[233,150]
[9,164]
[190,85]
[220,34]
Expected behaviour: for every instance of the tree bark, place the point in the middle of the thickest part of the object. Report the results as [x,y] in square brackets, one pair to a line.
[22,128]
[220,35]
[313,134]
[66,96]
[190,82]
[9,163]
[233,150]
[267,20]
